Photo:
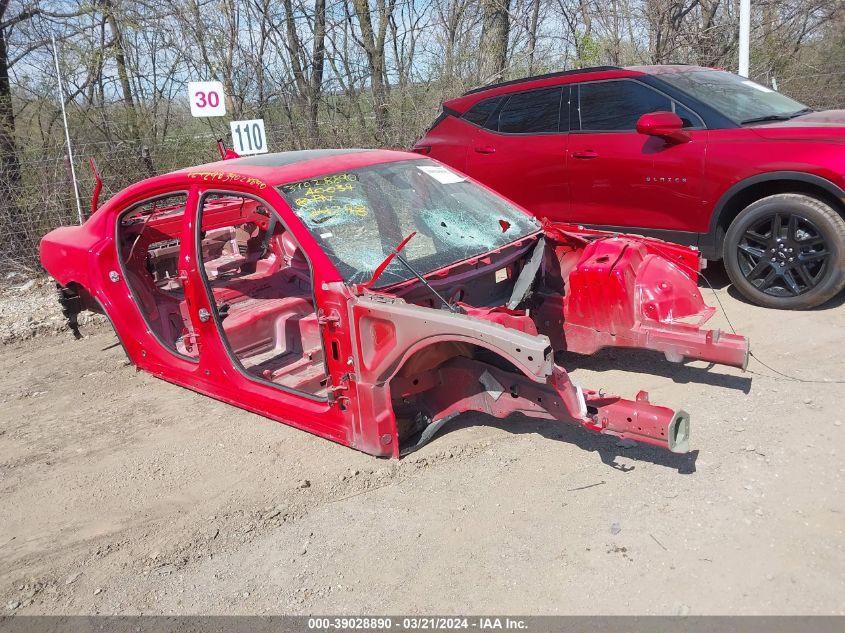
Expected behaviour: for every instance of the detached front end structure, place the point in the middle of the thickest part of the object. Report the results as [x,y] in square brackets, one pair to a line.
[371,296]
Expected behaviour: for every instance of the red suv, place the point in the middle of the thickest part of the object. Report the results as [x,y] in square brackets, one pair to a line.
[691,155]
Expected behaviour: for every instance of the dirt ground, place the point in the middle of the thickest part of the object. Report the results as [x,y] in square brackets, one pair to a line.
[122,494]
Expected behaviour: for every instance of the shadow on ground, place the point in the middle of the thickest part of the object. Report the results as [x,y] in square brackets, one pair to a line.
[714,276]
[830,304]
[718,278]
[607,447]
[648,362]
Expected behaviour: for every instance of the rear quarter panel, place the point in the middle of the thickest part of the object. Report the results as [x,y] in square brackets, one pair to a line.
[65,253]
[449,141]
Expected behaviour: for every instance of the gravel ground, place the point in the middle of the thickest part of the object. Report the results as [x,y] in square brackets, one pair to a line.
[124,494]
[28,308]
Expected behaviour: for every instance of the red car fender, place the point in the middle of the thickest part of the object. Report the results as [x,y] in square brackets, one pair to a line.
[622,294]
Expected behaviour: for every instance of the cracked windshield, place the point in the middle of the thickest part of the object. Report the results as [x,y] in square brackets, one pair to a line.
[359,216]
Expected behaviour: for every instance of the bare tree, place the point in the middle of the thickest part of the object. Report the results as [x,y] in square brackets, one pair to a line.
[12,18]
[532,33]
[339,73]
[495,33]
[308,82]
[372,39]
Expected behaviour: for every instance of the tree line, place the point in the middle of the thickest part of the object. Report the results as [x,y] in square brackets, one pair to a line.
[334,72]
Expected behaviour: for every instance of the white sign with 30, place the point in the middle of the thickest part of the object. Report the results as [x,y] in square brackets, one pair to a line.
[206,98]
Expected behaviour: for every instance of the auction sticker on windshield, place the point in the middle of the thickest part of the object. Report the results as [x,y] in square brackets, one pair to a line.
[441,174]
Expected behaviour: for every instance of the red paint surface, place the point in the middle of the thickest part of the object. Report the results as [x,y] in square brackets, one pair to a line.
[627,178]
[622,291]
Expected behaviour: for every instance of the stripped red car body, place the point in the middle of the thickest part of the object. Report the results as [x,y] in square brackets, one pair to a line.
[232,279]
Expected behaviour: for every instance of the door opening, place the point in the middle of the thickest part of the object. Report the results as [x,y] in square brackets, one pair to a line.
[149,241]
[260,283]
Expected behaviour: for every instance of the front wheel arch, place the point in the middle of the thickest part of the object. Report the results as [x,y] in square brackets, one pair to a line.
[750,190]
[428,359]
[85,301]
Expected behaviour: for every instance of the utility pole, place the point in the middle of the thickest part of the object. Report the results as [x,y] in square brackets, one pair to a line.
[67,131]
[744,35]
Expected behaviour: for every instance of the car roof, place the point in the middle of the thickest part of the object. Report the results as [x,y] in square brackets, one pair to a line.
[258,172]
[468,99]
[284,167]
[562,73]
[668,69]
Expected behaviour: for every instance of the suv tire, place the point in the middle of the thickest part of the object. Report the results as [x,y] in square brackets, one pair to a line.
[786,251]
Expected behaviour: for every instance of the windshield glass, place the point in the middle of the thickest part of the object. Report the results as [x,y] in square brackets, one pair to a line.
[737,98]
[359,216]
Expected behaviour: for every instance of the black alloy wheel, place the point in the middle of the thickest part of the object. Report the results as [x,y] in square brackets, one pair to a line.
[783,255]
[787,251]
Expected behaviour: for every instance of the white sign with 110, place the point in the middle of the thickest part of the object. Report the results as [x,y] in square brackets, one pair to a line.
[248,137]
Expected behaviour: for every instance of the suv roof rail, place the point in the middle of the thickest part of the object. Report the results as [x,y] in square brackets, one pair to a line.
[562,73]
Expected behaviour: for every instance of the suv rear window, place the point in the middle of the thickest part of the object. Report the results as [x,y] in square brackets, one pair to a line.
[481,111]
[614,106]
[532,112]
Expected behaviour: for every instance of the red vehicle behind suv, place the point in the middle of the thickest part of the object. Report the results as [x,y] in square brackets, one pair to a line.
[691,155]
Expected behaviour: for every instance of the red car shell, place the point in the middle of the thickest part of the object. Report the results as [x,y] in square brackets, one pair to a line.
[204,293]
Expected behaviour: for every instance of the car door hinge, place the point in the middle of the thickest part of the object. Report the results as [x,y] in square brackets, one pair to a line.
[335,391]
[343,384]
[342,401]
[332,319]
[190,340]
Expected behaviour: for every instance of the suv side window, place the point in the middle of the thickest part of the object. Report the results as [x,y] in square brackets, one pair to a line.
[616,106]
[690,118]
[481,111]
[532,112]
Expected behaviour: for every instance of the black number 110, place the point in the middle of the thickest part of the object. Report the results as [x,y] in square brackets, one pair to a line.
[250,137]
